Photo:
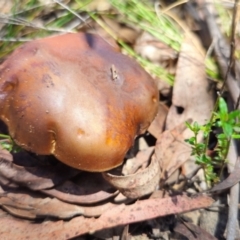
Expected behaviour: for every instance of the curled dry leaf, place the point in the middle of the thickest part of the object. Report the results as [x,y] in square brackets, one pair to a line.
[7,182]
[139,184]
[73,193]
[35,178]
[171,151]
[133,164]
[13,228]
[120,198]
[4,154]
[33,205]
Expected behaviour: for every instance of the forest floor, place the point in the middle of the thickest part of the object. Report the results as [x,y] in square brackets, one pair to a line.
[180,179]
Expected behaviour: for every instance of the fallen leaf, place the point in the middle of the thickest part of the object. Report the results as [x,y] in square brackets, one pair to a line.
[73,193]
[157,126]
[172,151]
[193,232]
[35,178]
[120,198]
[192,94]
[133,164]
[156,51]
[33,205]
[139,184]
[5,155]
[13,228]
[232,179]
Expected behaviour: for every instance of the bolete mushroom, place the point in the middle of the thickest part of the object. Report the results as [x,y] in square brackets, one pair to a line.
[76,97]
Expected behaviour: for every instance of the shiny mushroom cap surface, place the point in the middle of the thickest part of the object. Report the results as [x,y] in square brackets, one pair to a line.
[76,97]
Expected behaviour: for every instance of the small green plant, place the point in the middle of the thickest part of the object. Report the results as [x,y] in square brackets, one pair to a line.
[7,143]
[229,125]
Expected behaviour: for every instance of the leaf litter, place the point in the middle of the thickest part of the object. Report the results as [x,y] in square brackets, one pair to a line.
[44,193]
[193,97]
[53,196]
[114,216]
[231,180]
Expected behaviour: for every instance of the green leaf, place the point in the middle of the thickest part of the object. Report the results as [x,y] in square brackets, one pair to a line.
[189,125]
[191,140]
[236,136]
[196,127]
[234,114]
[200,147]
[228,129]
[218,124]
[223,109]
[236,129]
[221,136]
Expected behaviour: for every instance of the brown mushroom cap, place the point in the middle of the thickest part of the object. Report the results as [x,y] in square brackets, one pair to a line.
[76,97]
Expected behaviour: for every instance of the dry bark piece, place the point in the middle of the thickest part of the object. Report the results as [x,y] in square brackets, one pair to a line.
[76,97]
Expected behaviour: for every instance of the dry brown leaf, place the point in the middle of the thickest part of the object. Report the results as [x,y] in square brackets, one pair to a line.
[35,178]
[193,232]
[192,95]
[232,179]
[73,193]
[5,155]
[171,151]
[156,51]
[33,205]
[120,198]
[133,164]
[139,184]
[157,126]
[7,182]
[13,228]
